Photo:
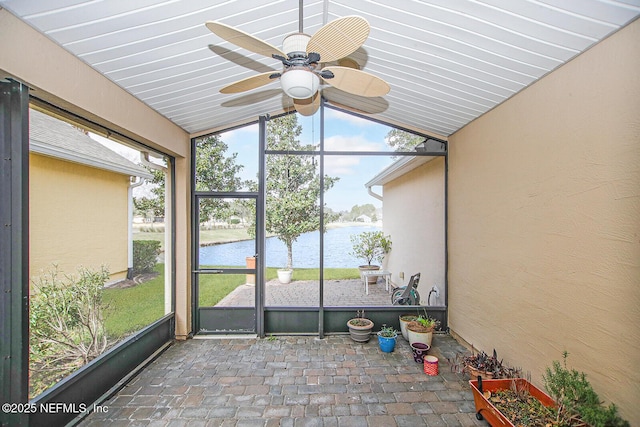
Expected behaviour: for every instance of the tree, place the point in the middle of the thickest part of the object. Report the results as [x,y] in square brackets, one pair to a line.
[366,209]
[152,205]
[400,140]
[215,171]
[293,185]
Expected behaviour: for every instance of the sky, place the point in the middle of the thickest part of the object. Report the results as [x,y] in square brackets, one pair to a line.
[343,132]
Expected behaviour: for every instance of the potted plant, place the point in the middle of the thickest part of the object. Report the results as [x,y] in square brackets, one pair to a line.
[421,330]
[494,400]
[370,246]
[360,327]
[285,275]
[387,338]
[487,367]
[404,320]
[571,401]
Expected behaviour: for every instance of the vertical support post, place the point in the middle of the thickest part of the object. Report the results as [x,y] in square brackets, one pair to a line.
[261,206]
[446,234]
[321,253]
[14,248]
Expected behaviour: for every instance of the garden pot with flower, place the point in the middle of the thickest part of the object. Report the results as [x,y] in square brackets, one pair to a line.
[387,339]
[421,330]
[360,328]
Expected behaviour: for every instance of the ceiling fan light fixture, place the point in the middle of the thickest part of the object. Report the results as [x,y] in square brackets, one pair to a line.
[299,83]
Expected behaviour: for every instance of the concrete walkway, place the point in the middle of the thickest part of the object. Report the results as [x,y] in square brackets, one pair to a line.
[305,293]
[292,382]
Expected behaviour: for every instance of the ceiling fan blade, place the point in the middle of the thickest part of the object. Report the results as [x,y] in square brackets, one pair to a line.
[357,82]
[357,104]
[248,83]
[339,38]
[242,39]
[307,107]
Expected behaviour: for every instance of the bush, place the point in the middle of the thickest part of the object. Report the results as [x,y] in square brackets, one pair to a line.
[66,324]
[577,401]
[145,255]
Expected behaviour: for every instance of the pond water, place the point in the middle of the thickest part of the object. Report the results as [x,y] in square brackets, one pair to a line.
[337,243]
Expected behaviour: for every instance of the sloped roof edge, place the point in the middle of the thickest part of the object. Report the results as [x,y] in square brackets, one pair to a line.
[398,168]
[51,137]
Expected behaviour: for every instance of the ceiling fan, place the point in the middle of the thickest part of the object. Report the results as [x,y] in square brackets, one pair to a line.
[302,57]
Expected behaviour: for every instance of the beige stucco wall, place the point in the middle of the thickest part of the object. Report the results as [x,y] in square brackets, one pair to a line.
[417,198]
[544,223]
[59,78]
[77,217]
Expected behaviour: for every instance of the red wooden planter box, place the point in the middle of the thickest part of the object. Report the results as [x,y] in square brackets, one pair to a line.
[486,410]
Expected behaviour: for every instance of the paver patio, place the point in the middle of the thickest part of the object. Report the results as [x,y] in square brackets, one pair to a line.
[292,381]
[305,293]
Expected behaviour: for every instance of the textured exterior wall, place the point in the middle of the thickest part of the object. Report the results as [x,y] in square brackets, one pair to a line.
[413,212]
[77,217]
[544,223]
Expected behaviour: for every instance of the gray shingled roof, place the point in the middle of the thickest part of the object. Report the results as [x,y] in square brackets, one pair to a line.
[52,137]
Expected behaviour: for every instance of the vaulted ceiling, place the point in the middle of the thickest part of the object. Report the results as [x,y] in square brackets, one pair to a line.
[447,61]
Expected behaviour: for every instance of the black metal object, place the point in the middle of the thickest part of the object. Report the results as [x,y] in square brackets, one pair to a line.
[291,320]
[261,243]
[96,380]
[218,320]
[282,320]
[14,248]
[319,319]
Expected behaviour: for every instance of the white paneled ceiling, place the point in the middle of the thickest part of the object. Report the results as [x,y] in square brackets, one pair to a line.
[446,61]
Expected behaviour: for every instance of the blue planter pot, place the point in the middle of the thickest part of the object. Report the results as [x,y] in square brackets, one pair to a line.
[387,345]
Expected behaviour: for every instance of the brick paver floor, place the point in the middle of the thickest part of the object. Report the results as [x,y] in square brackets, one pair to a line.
[292,381]
[306,293]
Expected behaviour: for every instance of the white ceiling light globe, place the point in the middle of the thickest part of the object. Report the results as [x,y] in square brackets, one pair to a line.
[299,83]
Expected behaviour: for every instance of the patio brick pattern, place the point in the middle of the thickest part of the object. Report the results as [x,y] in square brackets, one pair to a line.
[306,293]
[292,381]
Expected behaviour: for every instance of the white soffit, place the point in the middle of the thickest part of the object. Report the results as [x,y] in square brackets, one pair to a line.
[447,62]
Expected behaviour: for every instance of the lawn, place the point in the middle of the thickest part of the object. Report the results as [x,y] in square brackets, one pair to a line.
[131,309]
[207,237]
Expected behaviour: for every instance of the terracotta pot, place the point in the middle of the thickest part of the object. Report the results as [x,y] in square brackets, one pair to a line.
[474,373]
[486,410]
[370,280]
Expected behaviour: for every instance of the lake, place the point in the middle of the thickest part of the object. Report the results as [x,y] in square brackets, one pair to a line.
[337,243]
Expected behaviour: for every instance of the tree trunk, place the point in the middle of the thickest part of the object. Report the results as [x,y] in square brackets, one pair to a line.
[289,254]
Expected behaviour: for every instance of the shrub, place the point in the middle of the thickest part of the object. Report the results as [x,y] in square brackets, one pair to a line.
[145,255]
[577,401]
[66,325]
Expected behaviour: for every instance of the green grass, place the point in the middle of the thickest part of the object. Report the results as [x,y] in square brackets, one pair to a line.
[131,309]
[221,235]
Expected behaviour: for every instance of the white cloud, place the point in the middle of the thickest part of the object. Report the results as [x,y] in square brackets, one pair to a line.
[351,143]
[331,114]
[341,165]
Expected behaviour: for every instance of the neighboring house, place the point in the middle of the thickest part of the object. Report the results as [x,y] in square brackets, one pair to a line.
[363,218]
[413,209]
[80,200]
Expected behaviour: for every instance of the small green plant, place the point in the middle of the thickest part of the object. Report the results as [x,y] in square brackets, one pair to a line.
[145,255]
[360,319]
[577,402]
[370,246]
[387,332]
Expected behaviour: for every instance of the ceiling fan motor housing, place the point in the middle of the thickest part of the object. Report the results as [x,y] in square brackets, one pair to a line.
[295,45]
